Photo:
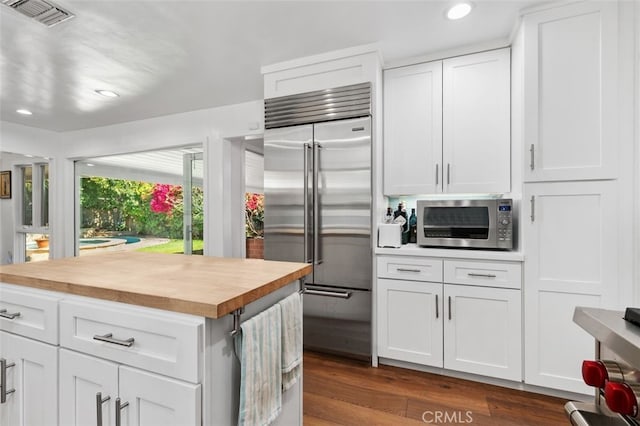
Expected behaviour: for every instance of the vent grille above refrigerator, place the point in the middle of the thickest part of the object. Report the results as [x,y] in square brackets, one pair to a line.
[45,12]
[322,105]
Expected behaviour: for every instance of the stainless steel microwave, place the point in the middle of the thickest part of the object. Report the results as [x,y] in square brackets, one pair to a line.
[473,223]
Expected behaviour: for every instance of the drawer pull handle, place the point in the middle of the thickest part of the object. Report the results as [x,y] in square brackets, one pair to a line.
[110,339]
[471,274]
[5,314]
[99,401]
[3,380]
[119,407]
[408,270]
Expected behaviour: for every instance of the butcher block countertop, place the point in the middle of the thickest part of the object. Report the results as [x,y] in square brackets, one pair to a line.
[205,286]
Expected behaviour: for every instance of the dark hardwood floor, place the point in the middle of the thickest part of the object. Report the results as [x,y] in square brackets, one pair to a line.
[340,391]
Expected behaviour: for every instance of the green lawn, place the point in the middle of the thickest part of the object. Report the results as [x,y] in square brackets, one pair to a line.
[173,246]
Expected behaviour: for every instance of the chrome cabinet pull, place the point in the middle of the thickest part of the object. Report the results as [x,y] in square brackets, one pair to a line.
[533,208]
[449,308]
[119,407]
[3,380]
[437,174]
[437,313]
[5,314]
[532,162]
[305,194]
[110,339]
[472,274]
[407,270]
[339,294]
[99,401]
[448,173]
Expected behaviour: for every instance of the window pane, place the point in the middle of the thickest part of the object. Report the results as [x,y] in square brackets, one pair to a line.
[44,213]
[27,196]
[37,247]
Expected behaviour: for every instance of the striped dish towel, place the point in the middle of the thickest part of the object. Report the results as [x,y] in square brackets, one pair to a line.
[291,339]
[260,347]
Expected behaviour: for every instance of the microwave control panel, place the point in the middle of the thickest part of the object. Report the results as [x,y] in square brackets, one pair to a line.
[504,224]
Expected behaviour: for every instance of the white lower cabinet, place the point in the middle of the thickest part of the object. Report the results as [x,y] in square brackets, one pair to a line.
[571,239]
[469,328]
[410,321]
[29,392]
[145,398]
[482,331]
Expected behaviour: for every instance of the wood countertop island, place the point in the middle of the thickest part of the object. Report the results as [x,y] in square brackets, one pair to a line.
[141,337]
[205,286]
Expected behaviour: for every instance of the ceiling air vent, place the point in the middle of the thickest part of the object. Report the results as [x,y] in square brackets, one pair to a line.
[42,11]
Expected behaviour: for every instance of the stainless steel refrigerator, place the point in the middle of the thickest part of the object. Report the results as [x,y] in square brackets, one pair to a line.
[318,210]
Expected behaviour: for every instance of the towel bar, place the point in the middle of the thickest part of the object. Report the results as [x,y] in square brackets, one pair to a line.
[236,316]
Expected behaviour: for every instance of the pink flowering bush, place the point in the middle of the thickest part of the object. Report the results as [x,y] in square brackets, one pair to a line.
[164,198]
[254,215]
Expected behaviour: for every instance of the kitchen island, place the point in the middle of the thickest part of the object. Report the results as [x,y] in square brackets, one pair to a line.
[90,334]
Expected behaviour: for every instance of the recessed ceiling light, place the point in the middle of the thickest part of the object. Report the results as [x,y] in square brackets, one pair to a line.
[24,111]
[90,165]
[459,10]
[107,93]
[28,155]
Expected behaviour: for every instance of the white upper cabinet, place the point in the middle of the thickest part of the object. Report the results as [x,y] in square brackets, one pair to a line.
[413,129]
[476,122]
[570,91]
[447,126]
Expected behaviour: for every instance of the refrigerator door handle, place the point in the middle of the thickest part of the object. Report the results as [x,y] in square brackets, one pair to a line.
[316,207]
[339,294]
[305,213]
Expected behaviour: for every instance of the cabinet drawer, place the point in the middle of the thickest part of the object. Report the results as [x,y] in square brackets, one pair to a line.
[37,309]
[486,274]
[164,342]
[410,268]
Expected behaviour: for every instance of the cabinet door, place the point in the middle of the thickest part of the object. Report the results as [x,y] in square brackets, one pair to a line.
[483,331]
[570,237]
[156,400]
[570,92]
[81,378]
[413,129]
[34,378]
[477,122]
[410,321]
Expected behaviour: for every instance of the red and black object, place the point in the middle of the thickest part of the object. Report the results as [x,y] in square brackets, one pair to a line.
[632,315]
[623,398]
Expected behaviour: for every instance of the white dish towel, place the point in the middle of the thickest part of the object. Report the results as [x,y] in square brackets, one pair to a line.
[291,339]
[260,349]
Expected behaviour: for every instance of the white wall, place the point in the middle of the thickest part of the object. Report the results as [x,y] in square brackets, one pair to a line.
[210,127]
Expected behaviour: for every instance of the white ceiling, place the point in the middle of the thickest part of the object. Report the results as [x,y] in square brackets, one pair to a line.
[166,57]
[162,166]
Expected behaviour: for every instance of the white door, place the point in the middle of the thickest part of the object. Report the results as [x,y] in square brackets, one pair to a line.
[410,321]
[413,129]
[570,92]
[570,238]
[33,378]
[82,377]
[156,401]
[483,331]
[476,129]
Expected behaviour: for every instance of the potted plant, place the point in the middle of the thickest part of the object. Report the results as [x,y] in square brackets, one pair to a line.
[42,242]
[254,225]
